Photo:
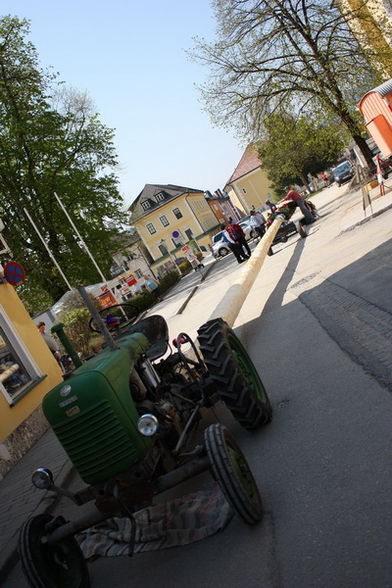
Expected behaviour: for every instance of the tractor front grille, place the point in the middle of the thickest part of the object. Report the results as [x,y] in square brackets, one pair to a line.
[97,443]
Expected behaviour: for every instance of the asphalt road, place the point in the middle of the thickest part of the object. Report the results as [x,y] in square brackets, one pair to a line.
[317,323]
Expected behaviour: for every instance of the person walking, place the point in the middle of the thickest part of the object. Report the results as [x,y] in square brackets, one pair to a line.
[233,245]
[257,222]
[237,234]
[51,343]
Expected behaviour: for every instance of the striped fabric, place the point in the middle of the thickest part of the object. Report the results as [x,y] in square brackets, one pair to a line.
[177,522]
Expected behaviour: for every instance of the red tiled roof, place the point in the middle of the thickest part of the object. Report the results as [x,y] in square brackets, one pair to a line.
[248,162]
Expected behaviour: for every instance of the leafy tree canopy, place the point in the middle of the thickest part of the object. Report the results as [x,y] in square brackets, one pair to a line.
[295,148]
[51,140]
[293,55]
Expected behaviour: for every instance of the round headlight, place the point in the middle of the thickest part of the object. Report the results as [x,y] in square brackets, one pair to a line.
[147,425]
[42,478]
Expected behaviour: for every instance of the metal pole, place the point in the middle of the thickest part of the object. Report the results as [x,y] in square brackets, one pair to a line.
[98,319]
[48,250]
[145,261]
[84,246]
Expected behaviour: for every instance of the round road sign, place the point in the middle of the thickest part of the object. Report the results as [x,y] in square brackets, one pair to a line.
[14,273]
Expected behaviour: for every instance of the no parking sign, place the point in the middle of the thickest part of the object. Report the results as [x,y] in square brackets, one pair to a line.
[14,273]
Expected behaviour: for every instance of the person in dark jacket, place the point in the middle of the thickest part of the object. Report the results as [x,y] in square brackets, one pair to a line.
[233,245]
[237,234]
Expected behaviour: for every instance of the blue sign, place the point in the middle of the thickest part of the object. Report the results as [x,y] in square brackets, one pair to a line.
[14,273]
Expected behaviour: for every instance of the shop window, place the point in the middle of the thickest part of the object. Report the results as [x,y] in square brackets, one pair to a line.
[18,370]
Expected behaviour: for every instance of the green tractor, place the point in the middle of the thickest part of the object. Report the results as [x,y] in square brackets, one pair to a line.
[127,418]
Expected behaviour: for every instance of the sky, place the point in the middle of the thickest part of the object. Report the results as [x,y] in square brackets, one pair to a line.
[130,58]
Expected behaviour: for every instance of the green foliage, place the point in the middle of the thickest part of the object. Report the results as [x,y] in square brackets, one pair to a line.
[143,301]
[295,148]
[274,55]
[77,330]
[51,141]
[168,281]
[185,267]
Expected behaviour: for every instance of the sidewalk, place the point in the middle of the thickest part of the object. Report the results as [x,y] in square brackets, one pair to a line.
[19,499]
[355,215]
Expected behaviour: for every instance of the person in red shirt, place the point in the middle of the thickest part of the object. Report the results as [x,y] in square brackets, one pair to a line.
[294,196]
[233,245]
[238,235]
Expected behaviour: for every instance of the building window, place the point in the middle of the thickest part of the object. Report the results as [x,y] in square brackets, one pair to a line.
[164,220]
[146,205]
[17,368]
[151,228]
[189,234]
[138,274]
[177,212]
[159,197]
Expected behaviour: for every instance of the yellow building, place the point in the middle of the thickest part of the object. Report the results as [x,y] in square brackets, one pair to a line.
[167,217]
[28,371]
[249,185]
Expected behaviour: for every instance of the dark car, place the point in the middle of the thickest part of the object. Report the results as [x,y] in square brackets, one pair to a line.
[343,172]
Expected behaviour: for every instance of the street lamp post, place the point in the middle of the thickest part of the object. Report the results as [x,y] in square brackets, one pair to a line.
[163,243]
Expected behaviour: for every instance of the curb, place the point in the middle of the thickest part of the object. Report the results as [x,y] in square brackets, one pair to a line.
[366,219]
[195,288]
[184,304]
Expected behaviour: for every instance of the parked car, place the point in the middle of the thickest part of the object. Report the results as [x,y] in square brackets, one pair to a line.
[247,228]
[343,172]
[219,247]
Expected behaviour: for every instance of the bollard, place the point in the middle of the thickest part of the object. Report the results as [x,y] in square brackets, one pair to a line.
[58,329]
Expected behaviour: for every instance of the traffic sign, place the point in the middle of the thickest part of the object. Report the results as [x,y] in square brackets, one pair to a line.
[14,273]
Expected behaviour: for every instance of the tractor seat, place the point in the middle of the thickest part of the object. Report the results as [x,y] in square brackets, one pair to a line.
[156,330]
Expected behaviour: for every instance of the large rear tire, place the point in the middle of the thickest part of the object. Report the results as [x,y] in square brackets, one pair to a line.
[234,374]
[231,470]
[61,565]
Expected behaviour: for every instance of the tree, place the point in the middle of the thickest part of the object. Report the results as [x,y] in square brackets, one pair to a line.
[283,55]
[52,141]
[296,147]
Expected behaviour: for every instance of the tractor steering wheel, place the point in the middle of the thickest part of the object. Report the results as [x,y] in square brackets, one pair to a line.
[116,317]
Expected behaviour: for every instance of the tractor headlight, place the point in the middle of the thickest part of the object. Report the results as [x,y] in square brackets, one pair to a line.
[147,425]
[42,478]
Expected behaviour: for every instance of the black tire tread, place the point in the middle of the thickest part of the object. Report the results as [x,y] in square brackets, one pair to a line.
[36,576]
[225,475]
[239,398]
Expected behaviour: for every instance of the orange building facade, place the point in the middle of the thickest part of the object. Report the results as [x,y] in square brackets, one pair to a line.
[376,108]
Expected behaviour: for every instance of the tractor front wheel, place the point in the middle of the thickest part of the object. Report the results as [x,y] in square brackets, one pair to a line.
[231,470]
[51,566]
[234,374]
